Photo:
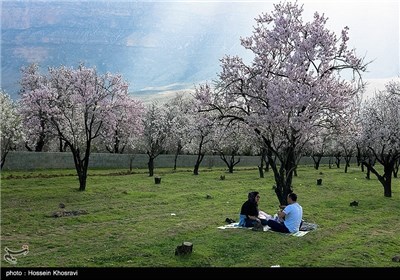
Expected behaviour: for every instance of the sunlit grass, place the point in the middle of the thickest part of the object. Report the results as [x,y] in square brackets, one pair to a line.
[129,221]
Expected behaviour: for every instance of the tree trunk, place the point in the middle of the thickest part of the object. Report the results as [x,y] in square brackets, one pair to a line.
[81,166]
[396,168]
[60,144]
[200,156]
[388,162]
[317,161]
[150,165]
[42,136]
[82,181]
[178,151]
[261,171]
[387,181]
[266,169]
[371,163]
[231,162]
[175,160]
[264,158]
[347,160]
[3,159]
[368,175]
[131,163]
[283,175]
[197,164]
[337,161]
[40,144]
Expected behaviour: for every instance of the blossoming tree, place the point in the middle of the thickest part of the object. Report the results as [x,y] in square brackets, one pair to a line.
[36,128]
[296,84]
[380,133]
[125,127]
[10,126]
[156,130]
[77,104]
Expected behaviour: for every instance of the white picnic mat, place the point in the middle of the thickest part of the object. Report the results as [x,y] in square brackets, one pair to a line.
[266,228]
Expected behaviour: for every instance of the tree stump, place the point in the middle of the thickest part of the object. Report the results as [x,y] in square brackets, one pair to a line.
[184,249]
[157,180]
[319,182]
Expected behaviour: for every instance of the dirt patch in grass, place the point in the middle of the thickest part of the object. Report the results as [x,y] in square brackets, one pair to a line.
[64,213]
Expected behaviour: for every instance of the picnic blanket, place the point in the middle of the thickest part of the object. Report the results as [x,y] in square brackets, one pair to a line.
[305,228]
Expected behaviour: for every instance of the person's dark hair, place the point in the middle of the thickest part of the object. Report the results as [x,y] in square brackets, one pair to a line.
[293,196]
[252,196]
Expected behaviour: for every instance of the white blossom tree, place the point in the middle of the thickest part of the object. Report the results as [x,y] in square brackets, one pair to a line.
[179,110]
[36,127]
[10,126]
[317,147]
[381,126]
[156,129]
[296,84]
[393,87]
[202,132]
[231,142]
[347,137]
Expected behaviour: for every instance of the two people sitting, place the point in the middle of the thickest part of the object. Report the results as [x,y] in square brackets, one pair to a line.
[288,219]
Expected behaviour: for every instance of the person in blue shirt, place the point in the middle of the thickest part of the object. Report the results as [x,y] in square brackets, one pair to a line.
[291,215]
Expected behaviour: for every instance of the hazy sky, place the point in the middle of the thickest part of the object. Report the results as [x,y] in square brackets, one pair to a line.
[374,24]
[182,41]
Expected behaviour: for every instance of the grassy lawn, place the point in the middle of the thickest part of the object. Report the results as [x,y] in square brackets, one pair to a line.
[129,222]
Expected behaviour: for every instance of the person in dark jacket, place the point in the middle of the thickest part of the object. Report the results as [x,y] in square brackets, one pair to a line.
[250,216]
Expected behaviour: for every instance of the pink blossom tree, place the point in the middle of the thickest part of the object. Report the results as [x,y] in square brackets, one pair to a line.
[294,86]
[124,126]
[10,126]
[75,103]
[380,132]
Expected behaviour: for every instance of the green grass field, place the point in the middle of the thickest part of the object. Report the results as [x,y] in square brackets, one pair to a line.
[129,222]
